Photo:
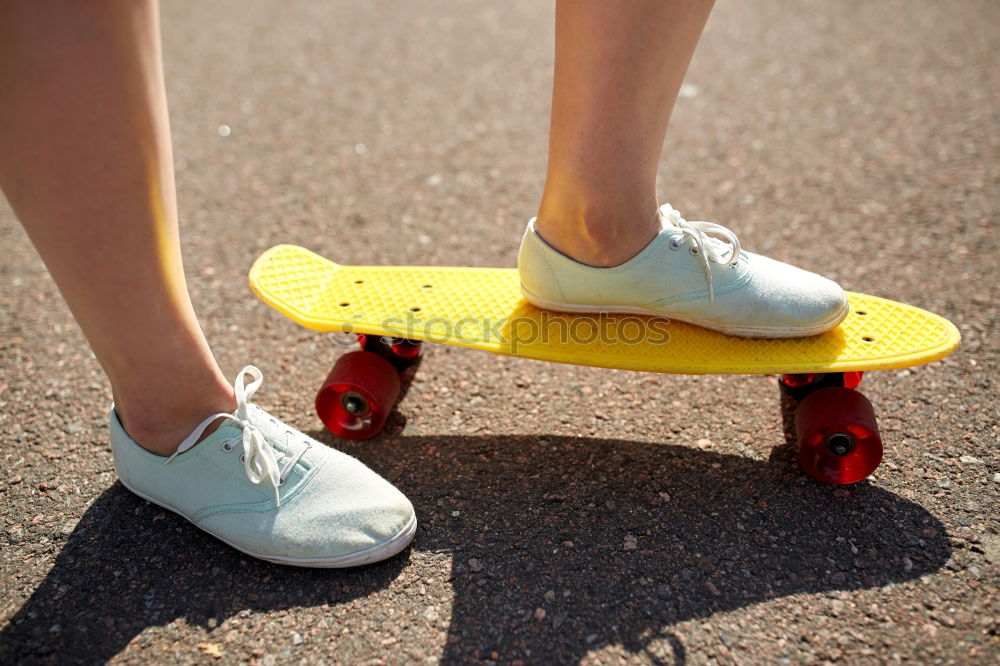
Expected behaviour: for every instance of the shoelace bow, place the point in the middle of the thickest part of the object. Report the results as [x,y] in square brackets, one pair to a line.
[260,459]
[710,241]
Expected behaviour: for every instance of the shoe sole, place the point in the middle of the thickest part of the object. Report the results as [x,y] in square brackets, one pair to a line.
[742,332]
[382,551]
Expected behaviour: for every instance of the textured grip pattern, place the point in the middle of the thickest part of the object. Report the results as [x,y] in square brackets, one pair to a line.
[482,308]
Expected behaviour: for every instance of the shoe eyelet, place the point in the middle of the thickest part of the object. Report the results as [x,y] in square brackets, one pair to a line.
[281,482]
[674,245]
[735,264]
[693,250]
[243,458]
[227,446]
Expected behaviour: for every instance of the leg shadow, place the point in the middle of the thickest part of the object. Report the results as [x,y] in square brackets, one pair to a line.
[130,565]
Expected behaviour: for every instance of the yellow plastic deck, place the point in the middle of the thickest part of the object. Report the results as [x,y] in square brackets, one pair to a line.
[483,308]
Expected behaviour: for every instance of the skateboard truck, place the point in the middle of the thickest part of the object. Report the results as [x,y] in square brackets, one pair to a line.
[400,352]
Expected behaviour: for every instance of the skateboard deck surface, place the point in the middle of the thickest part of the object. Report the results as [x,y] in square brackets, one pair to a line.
[482,308]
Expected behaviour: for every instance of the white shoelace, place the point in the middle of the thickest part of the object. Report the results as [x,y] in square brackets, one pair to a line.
[710,241]
[260,459]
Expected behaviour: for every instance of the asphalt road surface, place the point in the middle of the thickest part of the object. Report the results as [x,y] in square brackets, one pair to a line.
[568,515]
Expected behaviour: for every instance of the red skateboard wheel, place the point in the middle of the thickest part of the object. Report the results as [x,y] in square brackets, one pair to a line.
[358,395]
[838,435]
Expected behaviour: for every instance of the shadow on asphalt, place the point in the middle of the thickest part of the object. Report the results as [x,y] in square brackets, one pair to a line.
[130,565]
[617,541]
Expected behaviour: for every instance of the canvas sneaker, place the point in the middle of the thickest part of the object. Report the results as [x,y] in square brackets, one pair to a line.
[691,271]
[269,491]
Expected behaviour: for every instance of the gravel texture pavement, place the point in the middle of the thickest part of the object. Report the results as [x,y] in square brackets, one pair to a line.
[568,515]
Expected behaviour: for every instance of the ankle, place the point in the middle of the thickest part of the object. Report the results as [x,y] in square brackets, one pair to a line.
[159,423]
[599,236]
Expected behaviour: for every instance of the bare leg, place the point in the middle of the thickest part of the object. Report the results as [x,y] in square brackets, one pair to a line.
[618,69]
[85,161]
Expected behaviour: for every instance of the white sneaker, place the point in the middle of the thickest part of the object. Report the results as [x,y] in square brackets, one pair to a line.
[269,491]
[691,271]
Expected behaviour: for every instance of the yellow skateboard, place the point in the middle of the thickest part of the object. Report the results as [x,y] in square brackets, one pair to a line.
[394,309]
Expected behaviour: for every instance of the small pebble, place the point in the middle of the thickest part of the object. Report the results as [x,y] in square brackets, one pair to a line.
[688,91]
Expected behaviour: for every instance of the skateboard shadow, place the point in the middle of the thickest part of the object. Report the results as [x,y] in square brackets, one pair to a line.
[786,453]
[617,541]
